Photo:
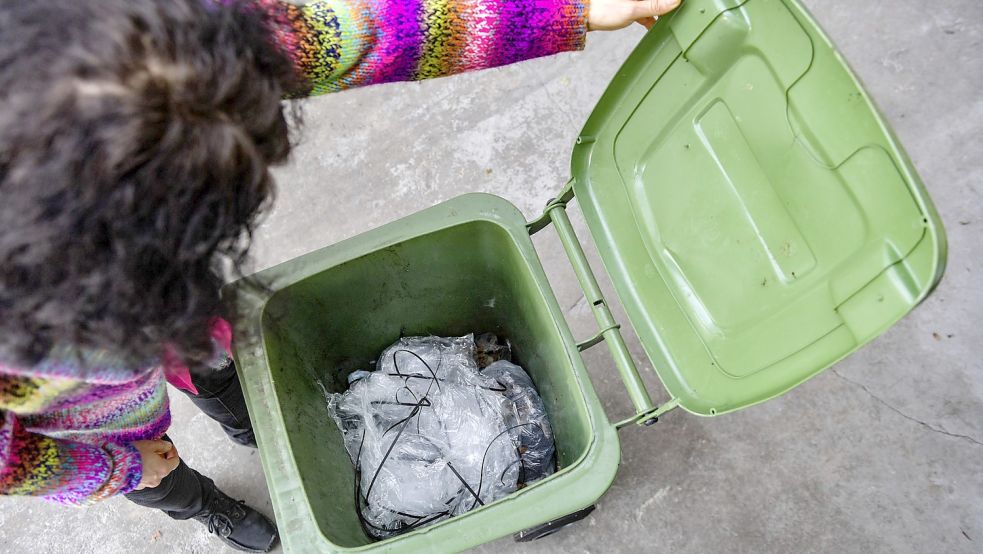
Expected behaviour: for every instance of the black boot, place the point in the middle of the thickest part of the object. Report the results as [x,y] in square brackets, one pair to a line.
[238,525]
[220,398]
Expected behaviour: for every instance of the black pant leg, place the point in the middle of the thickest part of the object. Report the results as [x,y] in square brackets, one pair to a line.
[183,494]
[220,398]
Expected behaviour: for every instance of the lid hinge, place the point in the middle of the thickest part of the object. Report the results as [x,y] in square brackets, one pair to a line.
[544,220]
[610,330]
[650,417]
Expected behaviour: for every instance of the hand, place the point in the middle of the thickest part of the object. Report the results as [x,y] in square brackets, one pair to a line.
[159,459]
[610,15]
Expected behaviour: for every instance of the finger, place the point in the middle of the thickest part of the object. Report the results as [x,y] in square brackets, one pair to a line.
[172,464]
[653,8]
[172,453]
[648,22]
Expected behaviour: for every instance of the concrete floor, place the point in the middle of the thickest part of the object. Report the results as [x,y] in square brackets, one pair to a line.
[883,453]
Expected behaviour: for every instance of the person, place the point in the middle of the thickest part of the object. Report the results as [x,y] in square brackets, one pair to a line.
[136,139]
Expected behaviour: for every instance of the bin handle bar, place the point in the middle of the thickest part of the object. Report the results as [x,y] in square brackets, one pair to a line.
[610,332]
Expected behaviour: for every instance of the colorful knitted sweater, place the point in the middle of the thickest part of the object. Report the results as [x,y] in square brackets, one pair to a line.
[66,433]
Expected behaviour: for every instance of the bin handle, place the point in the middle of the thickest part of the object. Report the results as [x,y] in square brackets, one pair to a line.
[646,412]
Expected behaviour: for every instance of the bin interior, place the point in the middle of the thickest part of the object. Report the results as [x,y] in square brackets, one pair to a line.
[467,278]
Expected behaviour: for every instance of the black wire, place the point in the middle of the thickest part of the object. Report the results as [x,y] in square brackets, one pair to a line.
[413,376]
[434,518]
[404,514]
[365,523]
[433,379]
[392,445]
[522,468]
[499,388]
[488,448]
[503,388]
[425,401]
[415,412]
[426,395]
[358,494]
[465,483]
[425,364]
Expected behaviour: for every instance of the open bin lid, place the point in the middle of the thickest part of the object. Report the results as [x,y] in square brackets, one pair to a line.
[754,212]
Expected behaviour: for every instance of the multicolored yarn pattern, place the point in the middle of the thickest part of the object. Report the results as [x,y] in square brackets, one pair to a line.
[65,434]
[341,44]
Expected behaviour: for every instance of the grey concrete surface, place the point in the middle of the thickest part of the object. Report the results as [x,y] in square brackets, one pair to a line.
[883,453]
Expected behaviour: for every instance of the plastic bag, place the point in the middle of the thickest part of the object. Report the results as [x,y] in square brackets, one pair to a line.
[423,358]
[528,422]
[430,436]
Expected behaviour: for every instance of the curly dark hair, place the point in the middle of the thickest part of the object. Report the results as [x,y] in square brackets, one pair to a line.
[135,142]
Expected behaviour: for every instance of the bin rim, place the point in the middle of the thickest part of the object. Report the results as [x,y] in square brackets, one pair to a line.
[577,485]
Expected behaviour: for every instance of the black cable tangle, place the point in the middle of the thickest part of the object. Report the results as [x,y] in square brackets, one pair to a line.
[392,445]
[425,401]
[420,403]
[422,361]
[499,388]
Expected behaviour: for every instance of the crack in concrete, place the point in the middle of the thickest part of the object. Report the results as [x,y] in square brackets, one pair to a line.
[579,301]
[933,428]
[549,96]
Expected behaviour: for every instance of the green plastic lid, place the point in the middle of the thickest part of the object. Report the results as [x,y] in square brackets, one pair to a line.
[757,217]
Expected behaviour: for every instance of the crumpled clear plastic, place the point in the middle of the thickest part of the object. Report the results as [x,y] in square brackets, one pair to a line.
[528,423]
[432,437]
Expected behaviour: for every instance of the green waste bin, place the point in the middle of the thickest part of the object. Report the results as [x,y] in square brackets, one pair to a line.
[755,214]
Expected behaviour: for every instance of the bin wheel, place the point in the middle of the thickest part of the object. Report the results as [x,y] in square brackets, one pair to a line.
[550,527]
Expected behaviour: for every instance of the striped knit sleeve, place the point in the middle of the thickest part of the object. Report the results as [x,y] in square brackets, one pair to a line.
[63,471]
[341,44]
